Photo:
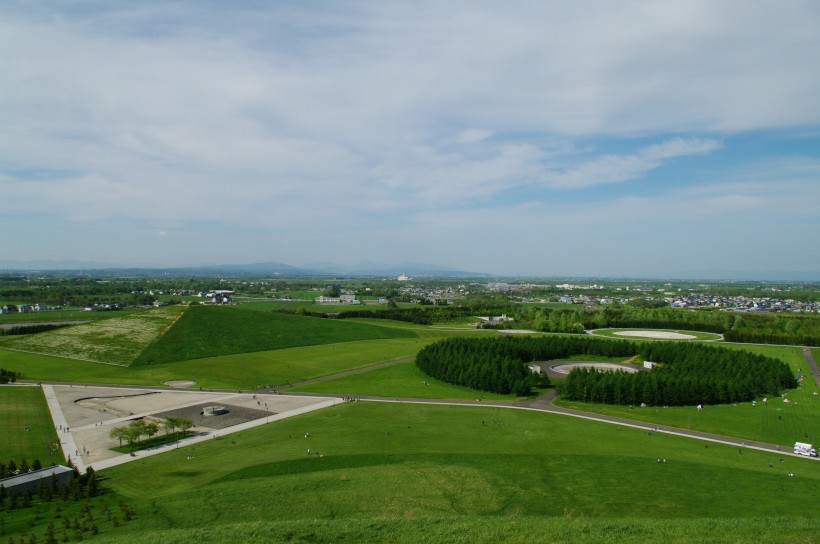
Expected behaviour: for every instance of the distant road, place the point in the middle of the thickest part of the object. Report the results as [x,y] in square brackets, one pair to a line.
[815,370]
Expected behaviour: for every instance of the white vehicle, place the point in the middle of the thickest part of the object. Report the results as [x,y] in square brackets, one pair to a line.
[801,448]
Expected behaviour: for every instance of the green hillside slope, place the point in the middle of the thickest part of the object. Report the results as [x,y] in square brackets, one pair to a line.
[116,341]
[211,331]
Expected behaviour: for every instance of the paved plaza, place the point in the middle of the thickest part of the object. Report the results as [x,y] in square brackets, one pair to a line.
[84,416]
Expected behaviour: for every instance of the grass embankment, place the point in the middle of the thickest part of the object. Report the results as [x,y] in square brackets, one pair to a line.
[776,423]
[115,341]
[210,331]
[26,429]
[387,470]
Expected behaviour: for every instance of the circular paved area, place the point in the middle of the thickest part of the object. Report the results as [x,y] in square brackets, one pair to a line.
[566,368]
[664,335]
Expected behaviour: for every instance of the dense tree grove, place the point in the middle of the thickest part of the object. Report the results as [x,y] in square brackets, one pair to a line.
[429,315]
[688,373]
[9,376]
[482,364]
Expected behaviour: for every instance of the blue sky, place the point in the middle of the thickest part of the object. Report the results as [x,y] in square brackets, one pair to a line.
[536,138]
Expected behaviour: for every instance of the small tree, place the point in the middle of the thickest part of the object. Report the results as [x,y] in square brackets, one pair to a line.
[117,433]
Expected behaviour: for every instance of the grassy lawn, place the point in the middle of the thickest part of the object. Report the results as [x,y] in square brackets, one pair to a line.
[610,333]
[20,408]
[410,466]
[777,423]
[399,380]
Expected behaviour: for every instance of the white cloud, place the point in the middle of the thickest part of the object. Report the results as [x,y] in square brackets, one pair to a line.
[263,116]
[617,168]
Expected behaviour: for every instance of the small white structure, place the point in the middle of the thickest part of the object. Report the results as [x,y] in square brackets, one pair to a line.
[803,448]
[649,365]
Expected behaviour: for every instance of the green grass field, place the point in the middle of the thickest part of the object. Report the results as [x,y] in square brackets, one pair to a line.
[403,472]
[240,371]
[776,423]
[24,408]
[399,468]
[212,331]
[399,380]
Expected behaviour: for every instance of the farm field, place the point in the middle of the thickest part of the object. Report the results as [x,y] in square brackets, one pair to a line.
[26,431]
[506,470]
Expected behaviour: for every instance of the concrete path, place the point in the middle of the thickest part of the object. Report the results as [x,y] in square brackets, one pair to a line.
[813,368]
[67,443]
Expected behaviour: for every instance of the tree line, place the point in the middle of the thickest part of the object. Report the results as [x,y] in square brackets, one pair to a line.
[687,373]
[135,430]
[764,327]
[31,329]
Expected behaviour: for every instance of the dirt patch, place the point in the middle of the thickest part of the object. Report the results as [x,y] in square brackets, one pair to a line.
[179,383]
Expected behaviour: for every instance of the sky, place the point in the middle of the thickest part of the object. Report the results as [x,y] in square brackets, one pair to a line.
[588,138]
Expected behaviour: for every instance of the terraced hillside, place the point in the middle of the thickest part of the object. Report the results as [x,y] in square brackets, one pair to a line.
[116,341]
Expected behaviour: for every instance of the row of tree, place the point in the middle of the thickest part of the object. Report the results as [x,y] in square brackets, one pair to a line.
[687,373]
[12,468]
[80,486]
[31,329]
[135,430]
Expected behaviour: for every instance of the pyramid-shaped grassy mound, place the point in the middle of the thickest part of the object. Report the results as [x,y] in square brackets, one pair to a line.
[116,341]
[212,331]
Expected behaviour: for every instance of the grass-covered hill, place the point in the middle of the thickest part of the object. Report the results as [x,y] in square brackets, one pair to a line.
[402,473]
[117,340]
[212,331]
[177,333]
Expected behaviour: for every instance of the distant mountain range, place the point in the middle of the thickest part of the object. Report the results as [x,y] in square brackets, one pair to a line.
[266,269]
[366,269]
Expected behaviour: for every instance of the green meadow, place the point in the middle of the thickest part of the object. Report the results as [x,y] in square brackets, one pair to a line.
[402,379]
[389,470]
[26,431]
[777,422]
[407,472]
[239,371]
